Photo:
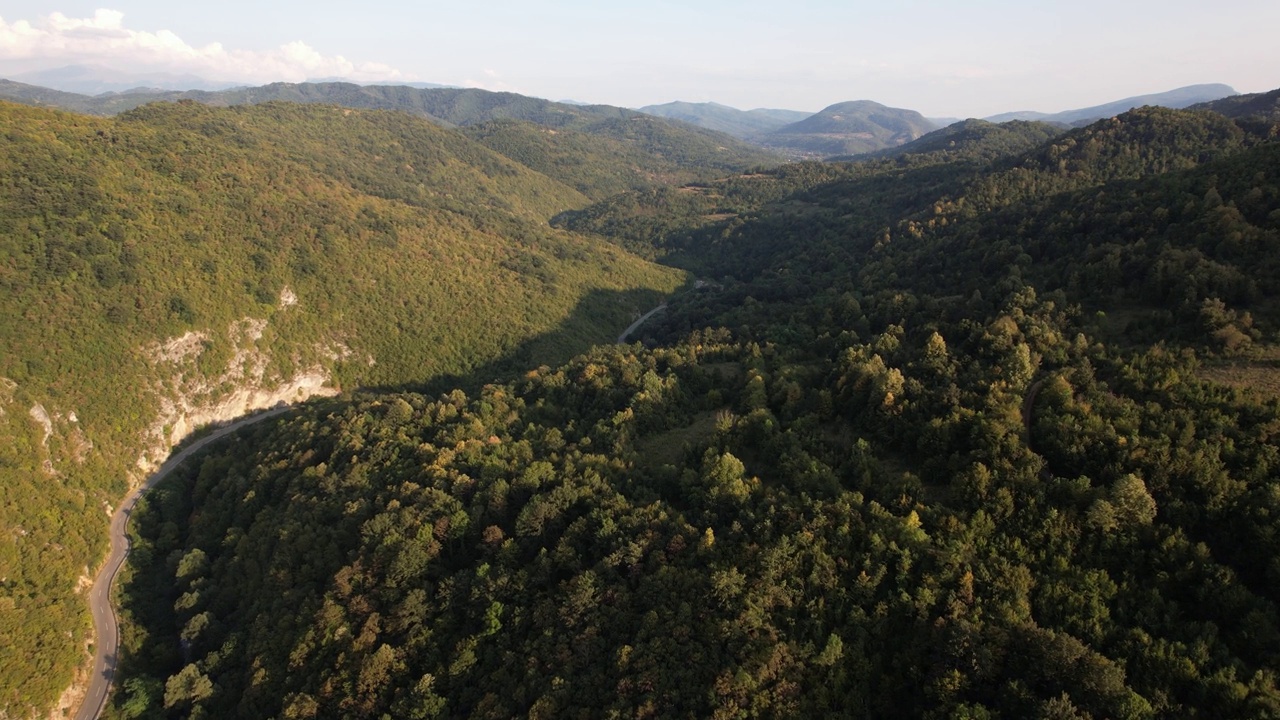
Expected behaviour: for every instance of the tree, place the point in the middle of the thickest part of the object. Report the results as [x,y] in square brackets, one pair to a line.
[187,687]
[1134,506]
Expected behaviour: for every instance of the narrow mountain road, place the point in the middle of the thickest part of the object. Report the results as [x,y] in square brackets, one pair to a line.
[106,629]
[1028,419]
[1028,406]
[632,327]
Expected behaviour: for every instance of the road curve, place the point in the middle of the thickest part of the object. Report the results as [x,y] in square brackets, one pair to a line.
[632,327]
[1028,406]
[106,629]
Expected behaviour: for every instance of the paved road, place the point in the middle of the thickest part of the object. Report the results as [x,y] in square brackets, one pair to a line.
[104,615]
[1028,406]
[632,327]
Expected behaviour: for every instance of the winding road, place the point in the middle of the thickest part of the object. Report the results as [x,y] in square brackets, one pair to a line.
[105,627]
[622,339]
[1028,406]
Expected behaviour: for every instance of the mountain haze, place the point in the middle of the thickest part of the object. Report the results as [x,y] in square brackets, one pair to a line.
[1177,99]
[98,80]
[745,124]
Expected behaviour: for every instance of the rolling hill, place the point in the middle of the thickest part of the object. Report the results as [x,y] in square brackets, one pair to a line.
[983,425]
[608,157]
[744,124]
[974,139]
[1262,107]
[850,128]
[603,149]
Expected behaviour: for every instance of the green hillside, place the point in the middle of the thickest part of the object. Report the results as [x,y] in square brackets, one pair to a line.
[946,435]
[1261,107]
[611,156]
[455,106]
[705,226]
[45,97]
[157,264]
[599,150]
[974,140]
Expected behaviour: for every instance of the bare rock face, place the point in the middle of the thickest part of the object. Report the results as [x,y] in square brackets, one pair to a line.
[195,390]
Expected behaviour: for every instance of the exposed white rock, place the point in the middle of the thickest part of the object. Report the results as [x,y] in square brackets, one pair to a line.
[178,349]
[177,420]
[287,297]
[190,399]
[248,328]
[38,413]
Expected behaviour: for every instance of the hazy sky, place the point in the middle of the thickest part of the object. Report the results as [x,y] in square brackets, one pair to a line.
[971,58]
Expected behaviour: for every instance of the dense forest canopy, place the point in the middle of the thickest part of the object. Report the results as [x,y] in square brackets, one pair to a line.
[985,427]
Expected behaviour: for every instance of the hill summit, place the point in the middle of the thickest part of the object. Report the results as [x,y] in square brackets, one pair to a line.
[854,127]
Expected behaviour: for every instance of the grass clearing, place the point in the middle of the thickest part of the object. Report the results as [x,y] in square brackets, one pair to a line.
[1259,375]
[669,447]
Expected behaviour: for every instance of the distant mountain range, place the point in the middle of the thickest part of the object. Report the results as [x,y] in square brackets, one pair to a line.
[849,128]
[840,130]
[745,124]
[1177,99]
[844,128]
[97,79]
[853,128]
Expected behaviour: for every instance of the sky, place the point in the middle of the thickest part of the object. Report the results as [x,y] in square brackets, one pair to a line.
[945,59]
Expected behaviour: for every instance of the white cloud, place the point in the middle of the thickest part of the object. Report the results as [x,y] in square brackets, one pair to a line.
[103,39]
[492,82]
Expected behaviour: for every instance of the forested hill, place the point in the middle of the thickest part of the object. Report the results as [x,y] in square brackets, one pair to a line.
[1263,107]
[165,267]
[746,124]
[617,155]
[972,140]
[454,106]
[939,437]
[850,128]
[988,166]
[606,148]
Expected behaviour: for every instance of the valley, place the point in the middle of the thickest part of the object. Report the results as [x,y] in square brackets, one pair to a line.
[535,469]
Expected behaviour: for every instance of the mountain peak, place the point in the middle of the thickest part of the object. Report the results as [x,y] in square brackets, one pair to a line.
[851,127]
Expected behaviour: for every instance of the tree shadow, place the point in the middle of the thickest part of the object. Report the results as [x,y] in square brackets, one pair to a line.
[597,319]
